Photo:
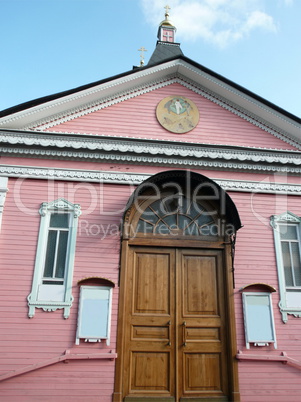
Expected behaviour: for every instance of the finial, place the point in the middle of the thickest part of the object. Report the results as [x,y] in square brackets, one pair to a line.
[142,50]
[167,8]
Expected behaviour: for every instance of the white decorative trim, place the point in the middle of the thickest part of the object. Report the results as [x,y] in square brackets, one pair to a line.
[259,187]
[167,153]
[284,306]
[241,112]
[285,217]
[3,191]
[133,83]
[57,119]
[94,176]
[80,111]
[65,298]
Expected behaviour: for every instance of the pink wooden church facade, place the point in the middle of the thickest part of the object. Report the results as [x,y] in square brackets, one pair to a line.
[82,154]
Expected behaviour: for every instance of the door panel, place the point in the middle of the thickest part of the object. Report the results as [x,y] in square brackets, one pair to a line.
[199,285]
[202,350]
[149,332]
[152,283]
[150,371]
[174,333]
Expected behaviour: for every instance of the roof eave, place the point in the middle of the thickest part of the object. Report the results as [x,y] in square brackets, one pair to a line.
[52,104]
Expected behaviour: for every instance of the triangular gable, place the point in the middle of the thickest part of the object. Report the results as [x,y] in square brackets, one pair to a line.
[135,116]
[203,82]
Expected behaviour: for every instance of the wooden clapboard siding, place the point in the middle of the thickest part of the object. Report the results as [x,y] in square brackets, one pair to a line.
[136,118]
[255,262]
[29,341]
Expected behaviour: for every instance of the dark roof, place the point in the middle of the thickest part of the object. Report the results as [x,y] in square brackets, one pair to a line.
[157,54]
[163,51]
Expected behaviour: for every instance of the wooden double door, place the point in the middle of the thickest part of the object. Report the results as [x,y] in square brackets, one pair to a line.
[174,334]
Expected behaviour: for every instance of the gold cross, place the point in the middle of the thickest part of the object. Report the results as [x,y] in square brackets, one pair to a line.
[167,8]
[142,50]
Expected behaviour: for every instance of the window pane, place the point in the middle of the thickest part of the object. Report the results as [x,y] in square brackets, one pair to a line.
[194,209]
[162,229]
[61,255]
[175,213]
[50,254]
[170,205]
[157,207]
[287,264]
[144,227]
[288,232]
[150,216]
[297,264]
[170,220]
[59,220]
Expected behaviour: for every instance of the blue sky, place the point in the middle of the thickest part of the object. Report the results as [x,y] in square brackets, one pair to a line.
[48,46]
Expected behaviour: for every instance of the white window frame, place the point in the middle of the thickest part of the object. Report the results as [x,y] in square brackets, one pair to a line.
[52,296]
[249,323]
[92,335]
[290,297]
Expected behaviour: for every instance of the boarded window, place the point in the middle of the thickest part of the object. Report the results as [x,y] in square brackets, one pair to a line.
[258,318]
[94,314]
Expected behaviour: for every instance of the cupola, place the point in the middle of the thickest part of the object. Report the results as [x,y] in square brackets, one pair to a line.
[166,47]
[166,31]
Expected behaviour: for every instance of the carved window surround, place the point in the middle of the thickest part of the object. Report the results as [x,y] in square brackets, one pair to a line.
[290,293]
[53,296]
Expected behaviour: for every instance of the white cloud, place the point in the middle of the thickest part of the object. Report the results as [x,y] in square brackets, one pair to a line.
[220,22]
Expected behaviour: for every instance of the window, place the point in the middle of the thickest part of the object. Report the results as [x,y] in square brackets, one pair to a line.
[288,254]
[94,314]
[258,319]
[52,281]
[177,214]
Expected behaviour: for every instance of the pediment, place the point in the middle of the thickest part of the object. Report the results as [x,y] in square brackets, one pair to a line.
[48,115]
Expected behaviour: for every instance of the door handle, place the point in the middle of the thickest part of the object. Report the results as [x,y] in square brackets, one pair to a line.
[184,334]
[169,342]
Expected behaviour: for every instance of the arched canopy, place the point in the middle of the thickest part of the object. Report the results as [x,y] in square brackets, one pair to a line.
[263,287]
[96,281]
[183,200]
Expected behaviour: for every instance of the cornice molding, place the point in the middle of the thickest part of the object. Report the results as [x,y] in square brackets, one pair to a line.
[147,152]
[94,106]
[94,176]
[63,117]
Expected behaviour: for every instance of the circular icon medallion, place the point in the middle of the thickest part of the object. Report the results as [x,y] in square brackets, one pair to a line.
[177,114]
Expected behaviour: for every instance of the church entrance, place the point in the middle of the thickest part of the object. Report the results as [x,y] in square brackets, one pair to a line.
[176,338]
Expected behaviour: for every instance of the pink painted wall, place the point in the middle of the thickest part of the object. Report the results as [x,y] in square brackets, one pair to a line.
[255,262]
[27,341]
[136,118]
